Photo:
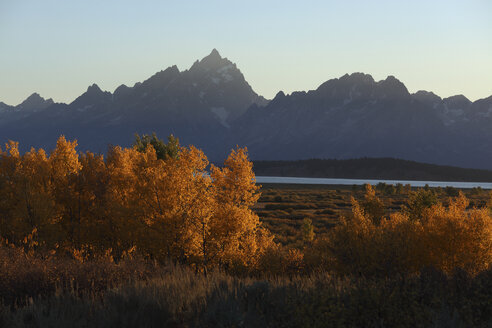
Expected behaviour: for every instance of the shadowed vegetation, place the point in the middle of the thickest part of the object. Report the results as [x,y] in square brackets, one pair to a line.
[174,296]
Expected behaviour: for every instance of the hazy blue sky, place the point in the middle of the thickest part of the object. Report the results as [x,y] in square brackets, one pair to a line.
[59,47]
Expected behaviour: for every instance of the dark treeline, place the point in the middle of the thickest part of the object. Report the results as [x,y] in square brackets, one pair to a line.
[370,168]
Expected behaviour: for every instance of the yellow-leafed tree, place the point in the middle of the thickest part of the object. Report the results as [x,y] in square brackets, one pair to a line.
[235,227]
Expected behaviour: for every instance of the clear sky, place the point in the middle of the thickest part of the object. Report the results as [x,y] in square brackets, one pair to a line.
[58,47]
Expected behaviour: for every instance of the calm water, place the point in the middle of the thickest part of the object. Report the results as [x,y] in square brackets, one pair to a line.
[325,181]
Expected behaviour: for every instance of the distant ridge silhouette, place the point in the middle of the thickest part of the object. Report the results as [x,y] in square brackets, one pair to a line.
[212,106]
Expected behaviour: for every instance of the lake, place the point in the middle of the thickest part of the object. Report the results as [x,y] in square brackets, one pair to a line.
[327,181]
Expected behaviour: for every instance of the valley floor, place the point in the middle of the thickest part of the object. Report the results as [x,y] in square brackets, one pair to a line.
[283,207]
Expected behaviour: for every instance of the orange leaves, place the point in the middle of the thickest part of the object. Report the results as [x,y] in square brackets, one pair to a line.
[234,223]
[458,237]
[12,148]
[64,159]
[443,237]
[172,208]
[163,206]
[236,181]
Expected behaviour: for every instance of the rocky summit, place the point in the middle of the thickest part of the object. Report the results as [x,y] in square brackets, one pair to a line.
[212,106]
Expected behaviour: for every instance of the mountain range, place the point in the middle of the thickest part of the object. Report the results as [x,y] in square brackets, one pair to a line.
[212,106]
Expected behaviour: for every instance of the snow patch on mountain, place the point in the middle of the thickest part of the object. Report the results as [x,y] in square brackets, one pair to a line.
[486,114]
[222,115]
[224,72]
[451,116]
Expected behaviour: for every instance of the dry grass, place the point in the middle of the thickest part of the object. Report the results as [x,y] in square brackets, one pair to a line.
[174,296]
[24,277]
[282,208]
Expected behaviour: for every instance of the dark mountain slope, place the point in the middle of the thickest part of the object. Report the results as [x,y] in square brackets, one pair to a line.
[212,106]
[355,116]
[197,105]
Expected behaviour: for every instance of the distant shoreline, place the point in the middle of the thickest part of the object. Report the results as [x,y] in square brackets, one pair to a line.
[269,180]
[371,169]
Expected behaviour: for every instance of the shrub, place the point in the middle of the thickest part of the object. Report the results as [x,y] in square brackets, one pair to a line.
[419,201]
[444,238]
[451,191]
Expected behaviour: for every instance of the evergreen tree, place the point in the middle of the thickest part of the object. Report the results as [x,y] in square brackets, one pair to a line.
[162,150]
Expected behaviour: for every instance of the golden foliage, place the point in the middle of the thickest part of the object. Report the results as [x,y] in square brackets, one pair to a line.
[445,238]
[181,209]
[165,208]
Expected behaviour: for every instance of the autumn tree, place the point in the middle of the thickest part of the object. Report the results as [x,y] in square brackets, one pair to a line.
[9,163]
[124,220]
[458,237]
[160,199]
[171,196]
[235,227]
[93,202]
[446,238]
[27,202]
[64,167]
[372,206]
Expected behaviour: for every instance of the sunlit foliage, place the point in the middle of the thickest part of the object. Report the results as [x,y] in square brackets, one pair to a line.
[443,237]
[160,201]
[166,202]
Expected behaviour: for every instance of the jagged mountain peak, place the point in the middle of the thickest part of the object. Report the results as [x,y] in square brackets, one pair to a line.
[94,89]
[279,97]
[357,77]
[361,86]
[212,90]
[458,104]
[122,90]
[93,96]
[426,96]
[392,87]
[34,95]
[212,106]
[171,70]
[35,102]
[392,80]
[161,79]
[212,62]
[348,85]
[214,53]
[457,99]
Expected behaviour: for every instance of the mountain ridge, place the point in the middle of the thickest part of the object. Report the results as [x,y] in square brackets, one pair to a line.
[212,106]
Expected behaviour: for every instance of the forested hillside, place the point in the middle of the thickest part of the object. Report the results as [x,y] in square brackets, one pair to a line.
[370,168]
